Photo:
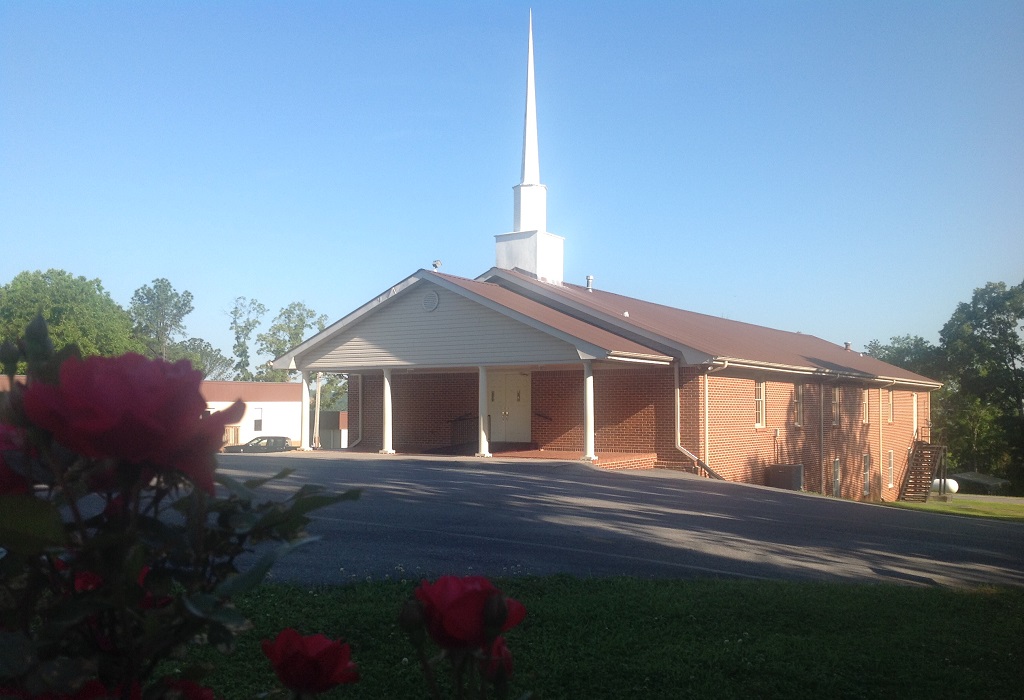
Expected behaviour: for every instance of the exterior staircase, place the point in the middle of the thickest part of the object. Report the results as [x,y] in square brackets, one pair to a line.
[925,462]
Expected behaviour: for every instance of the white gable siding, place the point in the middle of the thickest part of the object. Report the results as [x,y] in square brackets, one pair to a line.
[457,333]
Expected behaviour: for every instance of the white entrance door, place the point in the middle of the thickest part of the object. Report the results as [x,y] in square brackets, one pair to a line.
[509,408]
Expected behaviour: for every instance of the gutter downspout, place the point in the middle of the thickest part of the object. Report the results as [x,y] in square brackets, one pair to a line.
[882,482]
[679,425]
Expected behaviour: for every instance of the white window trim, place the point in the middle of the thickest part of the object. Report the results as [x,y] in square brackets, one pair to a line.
[891,460]
[865,410]
[760,407]
[891,402]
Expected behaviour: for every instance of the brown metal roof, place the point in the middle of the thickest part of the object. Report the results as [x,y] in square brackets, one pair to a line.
[251,391]
[720,338]
[589,333]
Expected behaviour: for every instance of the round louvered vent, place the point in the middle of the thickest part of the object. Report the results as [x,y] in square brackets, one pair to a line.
[430,301]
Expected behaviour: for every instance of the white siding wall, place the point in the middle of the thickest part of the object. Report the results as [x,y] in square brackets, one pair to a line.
[457,333]
[279,418]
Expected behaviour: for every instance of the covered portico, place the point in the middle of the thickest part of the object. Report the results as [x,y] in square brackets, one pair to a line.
[432,325]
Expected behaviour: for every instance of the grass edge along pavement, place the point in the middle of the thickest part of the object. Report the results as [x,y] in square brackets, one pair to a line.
[997,508]
[624,637]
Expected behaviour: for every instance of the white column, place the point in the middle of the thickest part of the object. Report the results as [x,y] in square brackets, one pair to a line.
[387,448]
[588,412]
[304,419]
[483,446]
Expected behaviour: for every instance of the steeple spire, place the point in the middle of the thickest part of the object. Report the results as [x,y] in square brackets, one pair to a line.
[530,248]
[531,157]
[531,197]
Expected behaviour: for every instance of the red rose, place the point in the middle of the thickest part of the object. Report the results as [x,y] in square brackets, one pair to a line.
[11,482]
[467,612]
[146,412]
[497,667]
[312,664]
[86,581]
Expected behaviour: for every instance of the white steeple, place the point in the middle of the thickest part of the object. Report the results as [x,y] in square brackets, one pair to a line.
[530,247]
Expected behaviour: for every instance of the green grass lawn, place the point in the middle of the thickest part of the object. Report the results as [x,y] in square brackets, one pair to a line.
[1001,509]
[627,638]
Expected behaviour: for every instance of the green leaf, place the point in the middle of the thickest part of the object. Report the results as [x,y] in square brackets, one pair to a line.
[29,525]
[254,576]
[256,483]
[236,487]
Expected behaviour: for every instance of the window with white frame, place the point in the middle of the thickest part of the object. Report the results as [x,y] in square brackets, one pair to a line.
[865,413]
[837,481]
[759,408]
[867,475]
[798,407]
[257,419]
[890,406]
[836,405]
[891,459]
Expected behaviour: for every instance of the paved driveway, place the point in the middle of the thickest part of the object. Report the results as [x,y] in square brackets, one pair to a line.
[423,517]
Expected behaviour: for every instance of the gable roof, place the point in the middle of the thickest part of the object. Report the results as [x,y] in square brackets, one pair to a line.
[696,338]
[589,341]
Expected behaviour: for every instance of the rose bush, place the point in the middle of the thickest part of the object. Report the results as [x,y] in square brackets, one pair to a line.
[117,548]
[133,409]
[465,617]
[466,612]
[311,664]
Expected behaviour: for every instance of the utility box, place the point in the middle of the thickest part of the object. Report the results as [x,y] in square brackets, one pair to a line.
[786,476]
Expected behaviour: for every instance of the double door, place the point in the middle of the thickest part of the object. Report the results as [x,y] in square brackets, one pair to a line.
[509,406]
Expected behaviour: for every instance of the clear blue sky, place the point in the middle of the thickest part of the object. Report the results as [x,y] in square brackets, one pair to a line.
[851,170]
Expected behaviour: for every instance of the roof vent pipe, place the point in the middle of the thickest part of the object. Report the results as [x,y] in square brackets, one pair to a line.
[590,283]
[849,346]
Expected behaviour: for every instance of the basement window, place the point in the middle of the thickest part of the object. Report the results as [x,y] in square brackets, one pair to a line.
[759,408]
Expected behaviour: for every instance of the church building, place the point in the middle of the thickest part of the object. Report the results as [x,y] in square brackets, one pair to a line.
[518,361]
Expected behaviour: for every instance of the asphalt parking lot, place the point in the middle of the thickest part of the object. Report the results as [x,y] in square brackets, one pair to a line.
[421,517]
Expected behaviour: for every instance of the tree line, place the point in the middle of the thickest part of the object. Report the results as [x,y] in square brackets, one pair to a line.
[979,411]
[80,311]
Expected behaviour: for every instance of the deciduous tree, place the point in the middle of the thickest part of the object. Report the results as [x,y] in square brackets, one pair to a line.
[204,357]
[246,315]
[158,313]
[79,311]
[288,330]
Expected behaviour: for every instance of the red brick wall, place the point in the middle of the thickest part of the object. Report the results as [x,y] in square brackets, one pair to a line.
[633,409]
[557,409]
[740,451]
[634,413]
[425,409]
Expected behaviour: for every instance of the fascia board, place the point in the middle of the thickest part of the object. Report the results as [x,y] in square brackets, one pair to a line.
[287,360]
[612,324]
